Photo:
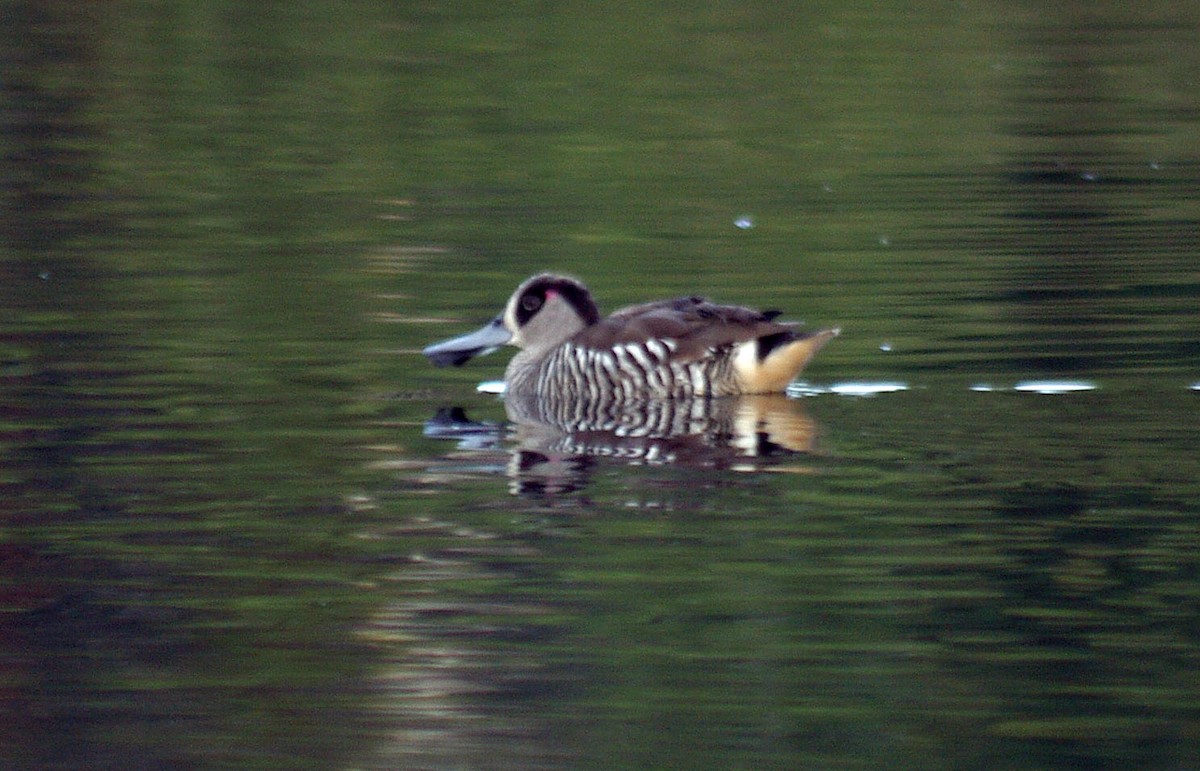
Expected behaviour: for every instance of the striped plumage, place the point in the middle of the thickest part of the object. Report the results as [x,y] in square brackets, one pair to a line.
[671,349]
[627,371]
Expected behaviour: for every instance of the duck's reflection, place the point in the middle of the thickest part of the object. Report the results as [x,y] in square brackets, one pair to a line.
[554,445]
[463,687]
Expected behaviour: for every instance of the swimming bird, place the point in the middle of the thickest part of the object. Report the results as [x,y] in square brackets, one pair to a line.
[669,349]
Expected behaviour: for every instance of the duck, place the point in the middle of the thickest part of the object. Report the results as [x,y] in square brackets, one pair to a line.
[666,349]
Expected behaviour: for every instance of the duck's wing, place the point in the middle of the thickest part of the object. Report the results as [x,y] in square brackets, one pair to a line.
[765,353]
[696,327]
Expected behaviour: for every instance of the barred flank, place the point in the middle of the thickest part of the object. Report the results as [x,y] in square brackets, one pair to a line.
[634,370]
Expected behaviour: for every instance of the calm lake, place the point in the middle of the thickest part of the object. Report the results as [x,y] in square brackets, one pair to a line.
[244,524]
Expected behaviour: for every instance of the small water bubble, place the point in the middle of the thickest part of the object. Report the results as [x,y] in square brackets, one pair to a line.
[744,222]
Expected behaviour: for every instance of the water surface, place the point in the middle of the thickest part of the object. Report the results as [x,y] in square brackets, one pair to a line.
[239,530]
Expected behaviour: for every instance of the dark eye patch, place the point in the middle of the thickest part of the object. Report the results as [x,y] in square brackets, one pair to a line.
[540,291]
[530,303]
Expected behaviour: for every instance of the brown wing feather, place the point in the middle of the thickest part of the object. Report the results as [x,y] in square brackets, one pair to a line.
[695,324]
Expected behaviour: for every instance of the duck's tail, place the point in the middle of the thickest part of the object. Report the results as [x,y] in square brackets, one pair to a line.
[769,363]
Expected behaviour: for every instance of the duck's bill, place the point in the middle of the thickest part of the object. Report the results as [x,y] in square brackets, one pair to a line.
[456,351]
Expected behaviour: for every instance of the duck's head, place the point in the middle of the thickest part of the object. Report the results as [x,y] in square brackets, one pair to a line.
[545,311]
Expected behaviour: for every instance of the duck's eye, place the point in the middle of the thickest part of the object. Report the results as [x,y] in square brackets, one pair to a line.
[531,302]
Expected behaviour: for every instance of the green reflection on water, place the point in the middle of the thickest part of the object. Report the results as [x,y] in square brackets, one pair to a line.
[228,228]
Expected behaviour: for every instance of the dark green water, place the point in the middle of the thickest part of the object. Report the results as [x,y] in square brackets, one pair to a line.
[230,536]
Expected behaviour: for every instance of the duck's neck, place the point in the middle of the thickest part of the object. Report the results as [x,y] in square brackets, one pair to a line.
[521,375]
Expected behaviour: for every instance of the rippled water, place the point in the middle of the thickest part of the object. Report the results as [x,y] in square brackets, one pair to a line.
[243,524]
